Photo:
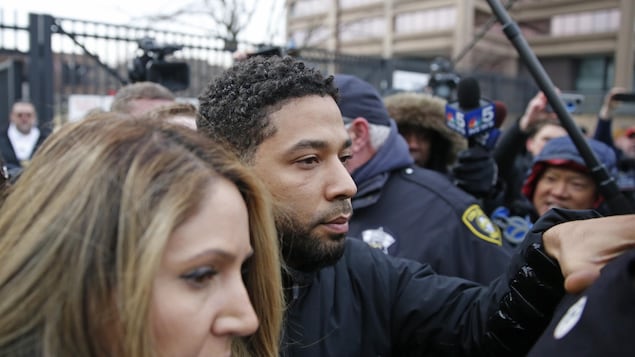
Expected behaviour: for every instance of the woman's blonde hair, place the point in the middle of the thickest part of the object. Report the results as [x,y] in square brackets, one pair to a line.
[83,230]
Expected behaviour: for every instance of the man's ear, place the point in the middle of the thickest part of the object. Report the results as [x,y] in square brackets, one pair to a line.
[359,133]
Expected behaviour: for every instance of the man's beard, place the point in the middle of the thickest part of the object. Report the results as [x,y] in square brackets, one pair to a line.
[304,250]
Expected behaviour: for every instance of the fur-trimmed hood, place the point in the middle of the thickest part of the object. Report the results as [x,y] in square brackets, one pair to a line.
[424,111]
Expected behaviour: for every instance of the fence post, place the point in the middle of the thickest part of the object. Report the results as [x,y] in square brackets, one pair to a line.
[40,68]
[11,84]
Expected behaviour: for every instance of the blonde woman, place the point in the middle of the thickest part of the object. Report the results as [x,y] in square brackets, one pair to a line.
[136,237]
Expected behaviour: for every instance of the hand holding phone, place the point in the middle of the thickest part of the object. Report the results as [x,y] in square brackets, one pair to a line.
[571,102]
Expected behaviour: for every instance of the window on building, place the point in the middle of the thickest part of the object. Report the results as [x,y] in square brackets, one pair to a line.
[585,22]
[362,29]
[308,7]
[345,4]
[594,74]
[426,20]
[313,37]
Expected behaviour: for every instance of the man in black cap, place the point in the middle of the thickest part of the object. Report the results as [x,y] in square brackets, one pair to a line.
[408,211]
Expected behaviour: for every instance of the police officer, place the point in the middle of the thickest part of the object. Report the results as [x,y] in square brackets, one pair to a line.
[599,321]
[408,211]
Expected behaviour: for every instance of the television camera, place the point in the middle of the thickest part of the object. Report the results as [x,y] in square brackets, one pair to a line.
[443,81]
[152,66]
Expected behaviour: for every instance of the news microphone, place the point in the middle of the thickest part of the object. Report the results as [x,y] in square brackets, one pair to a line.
[488,139]
[475,118]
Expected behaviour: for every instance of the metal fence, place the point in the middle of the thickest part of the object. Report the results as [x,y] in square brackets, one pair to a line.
[59,58]
[63,57]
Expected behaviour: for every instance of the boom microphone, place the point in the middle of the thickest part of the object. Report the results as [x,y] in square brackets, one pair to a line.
[476,118]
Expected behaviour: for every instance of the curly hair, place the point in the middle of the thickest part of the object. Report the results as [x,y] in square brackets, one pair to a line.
[235,108]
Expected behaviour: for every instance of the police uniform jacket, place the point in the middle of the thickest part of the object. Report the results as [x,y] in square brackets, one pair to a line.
[598,322]
[415,213]
[371,304]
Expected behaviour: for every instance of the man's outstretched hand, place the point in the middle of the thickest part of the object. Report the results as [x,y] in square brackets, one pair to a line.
[584,247]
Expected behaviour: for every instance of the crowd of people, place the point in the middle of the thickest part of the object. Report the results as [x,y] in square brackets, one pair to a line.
[295,213]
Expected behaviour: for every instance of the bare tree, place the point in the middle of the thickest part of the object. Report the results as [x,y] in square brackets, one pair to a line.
[276,19]
[229,17]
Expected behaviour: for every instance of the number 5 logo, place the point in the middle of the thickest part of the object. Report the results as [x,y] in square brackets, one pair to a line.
[488,114]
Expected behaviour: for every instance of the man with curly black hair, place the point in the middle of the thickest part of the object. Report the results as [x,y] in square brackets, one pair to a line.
[345,298]
[247,100]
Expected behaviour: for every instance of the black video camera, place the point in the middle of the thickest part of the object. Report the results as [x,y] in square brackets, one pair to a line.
[444,84]
[443,81]
[151,66]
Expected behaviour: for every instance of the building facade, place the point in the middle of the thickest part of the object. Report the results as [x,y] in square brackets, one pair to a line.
[584,45]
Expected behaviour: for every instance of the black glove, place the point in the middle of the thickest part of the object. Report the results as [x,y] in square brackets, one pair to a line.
[476,172]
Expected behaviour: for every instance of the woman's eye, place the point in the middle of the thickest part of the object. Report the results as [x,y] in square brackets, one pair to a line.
[199,276]
[345,158]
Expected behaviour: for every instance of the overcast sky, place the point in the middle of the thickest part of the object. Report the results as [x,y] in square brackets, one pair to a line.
[130,11]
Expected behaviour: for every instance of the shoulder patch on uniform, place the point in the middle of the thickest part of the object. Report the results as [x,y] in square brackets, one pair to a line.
[478,223]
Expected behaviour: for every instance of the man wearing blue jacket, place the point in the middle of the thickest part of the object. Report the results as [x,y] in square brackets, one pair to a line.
[345,298]
[408,211]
